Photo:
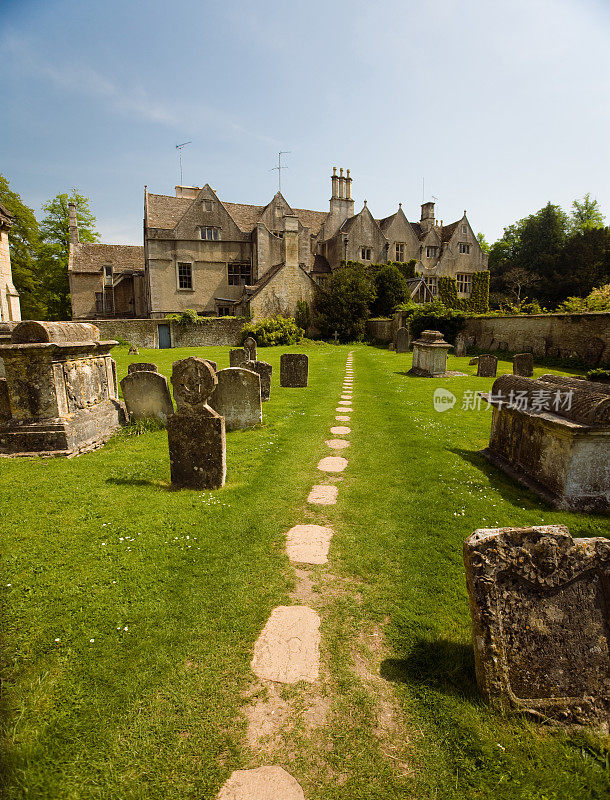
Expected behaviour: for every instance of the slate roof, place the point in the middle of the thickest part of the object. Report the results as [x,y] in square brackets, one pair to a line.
[165,211]
[448,230]
[85,257]
[244,216]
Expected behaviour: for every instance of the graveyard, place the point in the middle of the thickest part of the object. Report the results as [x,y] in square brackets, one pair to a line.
[133,609]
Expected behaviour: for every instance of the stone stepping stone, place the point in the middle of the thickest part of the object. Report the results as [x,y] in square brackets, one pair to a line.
[308,544]
[333,464]
[342,410]
[264,783]
[343,418]
[345,402]
[346,396]
[340,430]
[323,494]
[337,444]
[288,649]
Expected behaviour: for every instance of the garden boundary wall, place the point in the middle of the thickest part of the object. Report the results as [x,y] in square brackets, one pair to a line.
[153,333]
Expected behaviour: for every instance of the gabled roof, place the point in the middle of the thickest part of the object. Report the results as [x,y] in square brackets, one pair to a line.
[244,216]
[311,219]
[165,211]
[86,257]
[448,230]
[417,229]
[320,265]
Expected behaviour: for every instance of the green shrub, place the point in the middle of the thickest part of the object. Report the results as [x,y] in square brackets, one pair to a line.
[391,288]
[343,303]
[187,317]
[303,316]
[272,331]
[597,300]
[600,375]
[434,316]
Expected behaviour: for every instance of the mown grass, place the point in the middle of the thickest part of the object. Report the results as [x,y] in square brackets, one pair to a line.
[100,544]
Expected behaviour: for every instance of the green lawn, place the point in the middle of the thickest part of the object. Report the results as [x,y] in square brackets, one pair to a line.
[156,598]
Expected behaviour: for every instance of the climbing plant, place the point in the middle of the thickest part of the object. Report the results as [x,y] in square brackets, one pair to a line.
[478,302]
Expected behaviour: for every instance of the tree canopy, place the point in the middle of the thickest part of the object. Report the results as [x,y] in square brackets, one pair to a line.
[391,289]
[343,304]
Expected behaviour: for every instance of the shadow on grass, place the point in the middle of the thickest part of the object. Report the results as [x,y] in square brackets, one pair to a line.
[142,482]
[438,663]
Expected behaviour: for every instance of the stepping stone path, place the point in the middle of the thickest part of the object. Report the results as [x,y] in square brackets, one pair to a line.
[288,648]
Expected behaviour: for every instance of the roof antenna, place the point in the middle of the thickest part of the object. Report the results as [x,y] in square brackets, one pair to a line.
[179,148]
[279,168]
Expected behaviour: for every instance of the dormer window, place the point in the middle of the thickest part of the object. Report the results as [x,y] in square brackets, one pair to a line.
[431,251]
[464,248]
[210,234]
[208,205]
[365,253]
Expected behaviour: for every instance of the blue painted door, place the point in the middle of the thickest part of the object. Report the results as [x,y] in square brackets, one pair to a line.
[165,338]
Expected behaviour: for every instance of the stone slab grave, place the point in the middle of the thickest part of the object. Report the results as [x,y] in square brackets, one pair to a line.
[288,649]
[540,608]
[262,783]
[403,340]
[196,433]
[323,494]
[332,464]
[147,395]
[430,355]
[523,364]
[250,348]
[308,544]
[62,389]
[294,368]
[142,366]
[264,372]
[487,366]
[553,435]
[237,398]
[237,357]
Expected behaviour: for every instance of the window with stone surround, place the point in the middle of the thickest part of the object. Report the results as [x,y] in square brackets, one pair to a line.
[185,275]
[208,205]
[224,311]
[432,285]
[464,283]
[239,273]
[400,251]
[365,253]
[210,234]
[464,229]
[431,251]
[464,248]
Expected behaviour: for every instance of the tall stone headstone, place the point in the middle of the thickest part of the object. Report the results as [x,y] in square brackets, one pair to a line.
[487,366]
[147,396]
[460,346]
[196,433]
[62,389]
[294,369]
[237,398]
[523,364]
[540,608]
[142,366]
[250,348]
[264,371]
[403,340]
[237,357]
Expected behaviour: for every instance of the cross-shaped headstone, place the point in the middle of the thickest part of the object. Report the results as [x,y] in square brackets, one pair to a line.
[336,336]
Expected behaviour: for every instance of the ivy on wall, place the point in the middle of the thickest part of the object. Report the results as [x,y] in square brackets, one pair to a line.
[478,302]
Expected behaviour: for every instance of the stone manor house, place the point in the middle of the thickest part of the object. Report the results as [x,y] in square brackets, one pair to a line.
[220,258]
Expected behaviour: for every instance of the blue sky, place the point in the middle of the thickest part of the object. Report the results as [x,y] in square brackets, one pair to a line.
[501,105]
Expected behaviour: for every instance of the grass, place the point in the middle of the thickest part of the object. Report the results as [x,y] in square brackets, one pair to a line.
[174,587]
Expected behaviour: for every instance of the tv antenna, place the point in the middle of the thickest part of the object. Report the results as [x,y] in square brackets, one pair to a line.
[179,148]
[280,167]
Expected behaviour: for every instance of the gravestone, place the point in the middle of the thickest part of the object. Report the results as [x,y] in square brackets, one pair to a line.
[147,395]
[237,357]
[5,403]
[523,364]
[294,368]
[430,355]
[460,346]
[237,398]
[142,367]
[473,361]
[63,395]
[487,366]
[213,364]
[539,603]
[196,433]
[250,348]
[391,346]
[133,351]
[403,340]
[264,371]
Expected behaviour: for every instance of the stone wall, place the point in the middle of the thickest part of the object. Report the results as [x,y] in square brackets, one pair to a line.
[582,336]
[216,331]
[381,330]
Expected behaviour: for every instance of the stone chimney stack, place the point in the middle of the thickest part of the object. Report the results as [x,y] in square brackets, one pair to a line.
[73,223]
[341,185]
[290,240]
[427,216]
[348,187]
[335,183]
[341,202]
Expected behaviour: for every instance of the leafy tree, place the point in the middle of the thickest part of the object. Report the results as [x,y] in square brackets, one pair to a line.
[343,304]
[24,243]
[391,289]
[586,215]
[597,300]
[517,279]
[483,243]
[53,258]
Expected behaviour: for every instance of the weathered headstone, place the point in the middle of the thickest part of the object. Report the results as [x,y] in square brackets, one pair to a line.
[196,433]
[237,357]
[403,340]
[430,355]
[61,382]
[250,348]
[391,346]
[147,395]
[213,364]
[473,361]
[523,364]
[133,350]
[460,345]
[487,366]
[539,602]
[141,366]
[264,371]
[294,368]
[237,398]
